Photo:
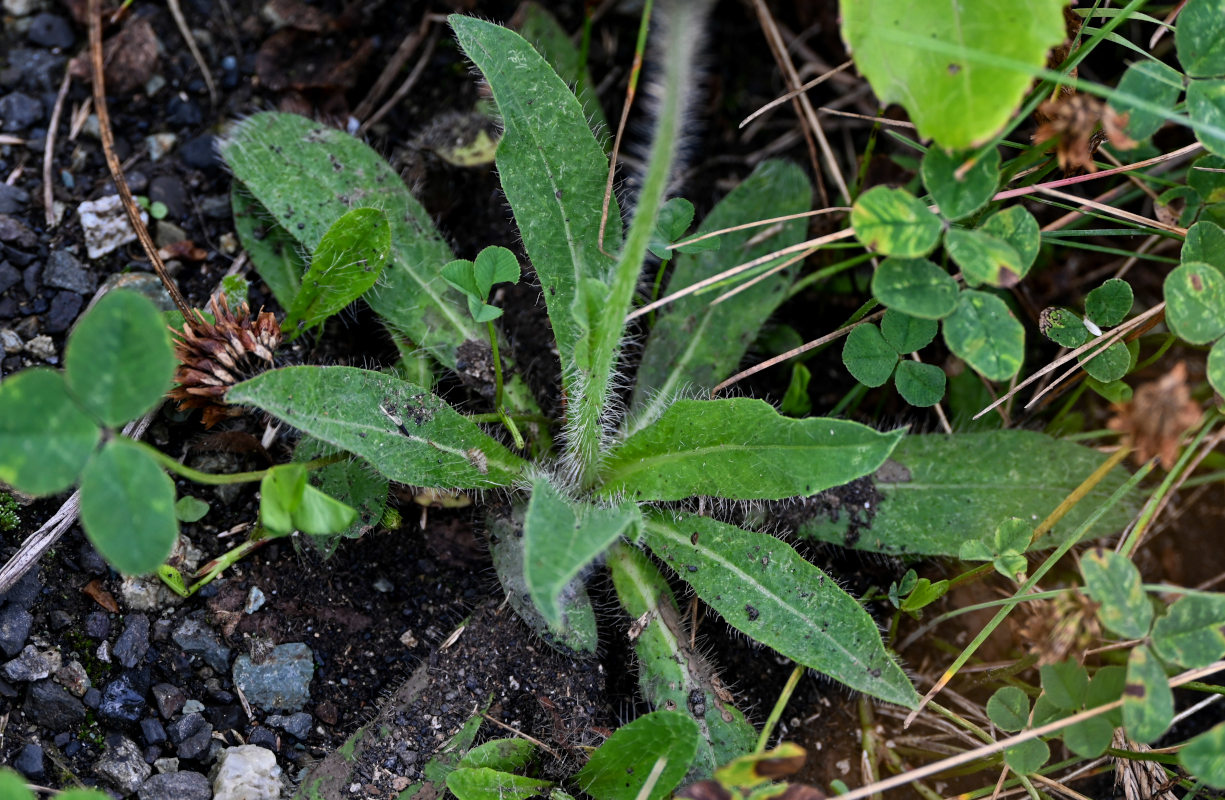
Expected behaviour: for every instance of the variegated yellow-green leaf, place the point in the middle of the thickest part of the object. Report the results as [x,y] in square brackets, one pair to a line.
[1148,703]
[1115,585]
[894,222]
[1192,633]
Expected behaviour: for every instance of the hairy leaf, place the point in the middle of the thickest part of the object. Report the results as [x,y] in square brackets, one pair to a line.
[408,434]
[741,449]
[620,768]
[764,589]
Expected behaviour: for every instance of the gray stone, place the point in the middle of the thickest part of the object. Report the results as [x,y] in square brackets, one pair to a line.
[279,683]
[24,592]
[195,637]
[296,725]
[176,786]
[123,699]
[187,726]
[133,643]
[29,762]
[152,731]
[50,30]
[32,664]
[10,276]
[42,348]
[41,69]
[72,676]
[165,766]
[97,625]
[21,8]
[50,705]
[15,625]
[65,307]
[19,111]
[169,699]
[10,342]
[13,199]
[64,271]
[247,773]
[123,765]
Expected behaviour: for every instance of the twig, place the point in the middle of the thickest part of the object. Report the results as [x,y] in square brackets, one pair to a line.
[185,31]
[1114,212]
[49,151]
[406,86]
[1008,194]
[778,101]
[112,162]
[396,63]
[897,123]
[522,735]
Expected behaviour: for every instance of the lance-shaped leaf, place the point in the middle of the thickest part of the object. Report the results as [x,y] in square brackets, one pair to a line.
[307,175]
[670,673]
[697,344]
[764,589]
[347,262]
[742,449]
[408,434]
[621,767]
[275,254]
[937,491]
[552,170]
[484,783]
[561,537]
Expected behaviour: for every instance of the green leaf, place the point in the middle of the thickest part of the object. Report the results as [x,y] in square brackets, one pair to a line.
[1153,82]
[13,786]
[1192,633]
[1204,756]
[867,356]
[1063,327]
[235,288]
[508,755]
[494,265]
[1017,227]
[984,258]
[921,385]
[1115,585]
[924,594]
[306,175]
[1205,242]
[619,768]
[936,490]
[45,437]
[796,402]
[763,588]
[671,674]
[1065,684]
[484,783]
[1110,303]
[1206,106]
[1200,38]
[119,361]
[347,261]
[1195,302]
[190,509]
[127,508]
[352,482]
[915,286]
[552,171]
[1148,703]
[907,334]
[280,493]
[1206,178]
[1216,366]
[695,344]
[578,635]
[1114,392]
[741,449]
[408,434]
[675,217]
[1106,686]
[894,222]
[1089,738]
[1027,756]
[1108,365]
[959,71]
[461,274]
[1008,709]
[1003,548]
[561,538]
[275,254]
[960,191]
[983,332]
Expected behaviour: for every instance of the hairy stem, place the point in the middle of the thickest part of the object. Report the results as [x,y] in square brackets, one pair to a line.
[211,479]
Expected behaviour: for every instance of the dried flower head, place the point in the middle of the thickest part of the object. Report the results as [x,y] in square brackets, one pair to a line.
[1158,416]
[213,356]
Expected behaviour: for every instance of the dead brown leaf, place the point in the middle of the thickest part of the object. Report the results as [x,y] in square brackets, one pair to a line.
[100,595]
[1159,413]
[129,58]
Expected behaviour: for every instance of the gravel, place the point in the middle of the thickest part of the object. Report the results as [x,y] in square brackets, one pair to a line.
[183,785]
[279,683]
[123,764]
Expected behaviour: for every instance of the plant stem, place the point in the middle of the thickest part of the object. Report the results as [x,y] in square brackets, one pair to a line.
[775,713]
[497,389]
[211,479]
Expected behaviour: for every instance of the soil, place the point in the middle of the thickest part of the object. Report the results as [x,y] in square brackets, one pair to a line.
[377,613]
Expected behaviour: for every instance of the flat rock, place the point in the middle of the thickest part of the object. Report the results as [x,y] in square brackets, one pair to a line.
[13,199]
[19,111]
[51,30]
[183,785]
[65,307]
[30,762]
[123,699]
[133,643]
[123,765]
[281,682]
[64,271]
[50,705]
[196,638]
[169,699]
[32,664]
[296,725]
[247,773]
[105,225]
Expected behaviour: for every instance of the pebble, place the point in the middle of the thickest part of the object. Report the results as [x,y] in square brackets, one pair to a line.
[15,625]
[32,665]
[58,619]
[176,786]
[105,225]
[201,153]
[169,189]
[65,307]
[152,730]
[247,772]
[263,737]
[50,705]
[255,601]
[41,70]
[146,592]
[13,199]
[216,206]
[50,30]
[10,276]
[193,706]
[19,111]
[296,725]
[123,699]
[92,697]
[183,112]
[191,734]
[133,643]
[123,764]
[16,232]
[42,348]
[159,144]
[29,762]
[165,766]
[23,593]
[97,625]
[281,682]
[197,638]
[64,271]
[169,699]
[73,677]
[20,8]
